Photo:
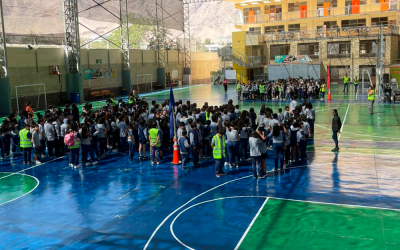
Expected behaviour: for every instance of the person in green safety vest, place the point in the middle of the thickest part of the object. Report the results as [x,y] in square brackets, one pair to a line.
[25,137]
[261,88]
[155,142]
[355,82]
[346,80]
[132,97]
[323,90]
[239,90]
[371,99]
[218,145]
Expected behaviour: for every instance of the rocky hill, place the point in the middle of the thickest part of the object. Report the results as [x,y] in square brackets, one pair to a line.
[26,17]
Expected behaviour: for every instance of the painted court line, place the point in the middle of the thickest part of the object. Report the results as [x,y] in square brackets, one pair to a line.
[344,120]
[37,184]
[41,164]
[251,224]
[194,198]
[254,219]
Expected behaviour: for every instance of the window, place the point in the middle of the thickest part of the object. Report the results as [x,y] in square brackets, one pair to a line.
[294,27]
[331,24]
[273,12]
[273,29]
[295,6]
[310,49]
[252,11]
[368,48]
[322,3]
[279,50]
[353,23]
[255,30]
[337,50]
[379,20]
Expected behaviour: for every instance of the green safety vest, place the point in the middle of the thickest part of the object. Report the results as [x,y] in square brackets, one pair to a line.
[262,89]
[25,142]
[323,88]
[217,147]
[131,99]
[113,102]
[239,88]
[76,145]
[346,79]
[153,136]
[355,82]
[207,116]
[371,97]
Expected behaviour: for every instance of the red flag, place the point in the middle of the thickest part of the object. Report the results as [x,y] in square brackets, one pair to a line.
[328,81]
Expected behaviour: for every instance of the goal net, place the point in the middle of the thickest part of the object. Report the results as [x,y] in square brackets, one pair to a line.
[144,83]
[34,93]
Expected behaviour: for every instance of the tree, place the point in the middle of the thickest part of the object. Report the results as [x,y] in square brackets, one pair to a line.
[207,41]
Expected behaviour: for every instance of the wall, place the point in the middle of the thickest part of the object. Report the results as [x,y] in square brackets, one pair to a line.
[27,67]
[202,65]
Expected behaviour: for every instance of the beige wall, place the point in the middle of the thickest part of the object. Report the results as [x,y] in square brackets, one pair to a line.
[202,65]
[31,66]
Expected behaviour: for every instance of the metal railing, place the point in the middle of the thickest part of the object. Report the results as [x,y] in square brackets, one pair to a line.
[240,58]
[331,33]
[319,13]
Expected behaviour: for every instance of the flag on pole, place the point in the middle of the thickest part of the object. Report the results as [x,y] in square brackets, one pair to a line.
[171,112]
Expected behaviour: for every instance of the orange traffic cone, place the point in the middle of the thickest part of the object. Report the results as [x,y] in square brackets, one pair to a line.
[329,95]
[175,159]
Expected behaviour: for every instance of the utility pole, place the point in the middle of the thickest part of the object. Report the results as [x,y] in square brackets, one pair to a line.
[5,100]
[380,56]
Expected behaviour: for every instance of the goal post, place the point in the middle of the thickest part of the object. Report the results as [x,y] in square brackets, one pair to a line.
[144,83]
[33,94]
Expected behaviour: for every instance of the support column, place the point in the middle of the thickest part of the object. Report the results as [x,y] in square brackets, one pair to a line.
[160,43]
[126,70]
[72,50]
[187,50]
[5,100]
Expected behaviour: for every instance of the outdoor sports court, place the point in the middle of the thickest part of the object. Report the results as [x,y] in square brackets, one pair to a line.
[349,200]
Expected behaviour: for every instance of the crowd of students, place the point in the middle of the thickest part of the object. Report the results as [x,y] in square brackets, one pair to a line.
[225,133]
[283,89]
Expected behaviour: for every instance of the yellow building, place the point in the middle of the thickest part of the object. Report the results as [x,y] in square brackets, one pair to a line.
[341,33]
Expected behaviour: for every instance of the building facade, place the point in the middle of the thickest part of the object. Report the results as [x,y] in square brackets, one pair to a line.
[344,34]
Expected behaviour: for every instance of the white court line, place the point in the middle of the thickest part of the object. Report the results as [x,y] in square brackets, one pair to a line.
[223,184]
[251,224]
[267,198]
[37,184]
[41,164]
[344,120]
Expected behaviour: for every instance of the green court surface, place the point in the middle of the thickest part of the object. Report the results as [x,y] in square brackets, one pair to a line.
[294,225]
[14,186]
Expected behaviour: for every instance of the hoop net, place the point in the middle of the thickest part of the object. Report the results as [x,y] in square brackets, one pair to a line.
[144,83]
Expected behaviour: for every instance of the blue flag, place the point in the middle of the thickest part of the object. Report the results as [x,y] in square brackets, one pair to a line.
[171,112]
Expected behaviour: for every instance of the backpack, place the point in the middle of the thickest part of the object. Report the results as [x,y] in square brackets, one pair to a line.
[69,140]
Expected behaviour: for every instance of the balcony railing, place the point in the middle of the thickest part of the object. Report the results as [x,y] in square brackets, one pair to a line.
[330,33]
[319,13]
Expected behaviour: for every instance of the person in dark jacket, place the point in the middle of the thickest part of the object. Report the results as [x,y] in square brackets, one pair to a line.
[336,127]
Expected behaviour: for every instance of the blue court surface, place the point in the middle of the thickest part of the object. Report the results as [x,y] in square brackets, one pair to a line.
[118,205]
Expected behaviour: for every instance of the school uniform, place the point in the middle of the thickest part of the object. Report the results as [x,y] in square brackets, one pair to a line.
[184,150]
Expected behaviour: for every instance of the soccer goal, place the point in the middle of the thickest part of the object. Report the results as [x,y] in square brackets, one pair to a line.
[34,93]
[144,83]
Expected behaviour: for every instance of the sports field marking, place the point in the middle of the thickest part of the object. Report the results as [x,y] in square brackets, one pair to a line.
[344,120]
[41,164]
[37,184]
[254,219]
[223,184]
[251,224]
[375,136]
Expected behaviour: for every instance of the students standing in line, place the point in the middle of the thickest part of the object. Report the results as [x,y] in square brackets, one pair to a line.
[73,147]
[86,145]
[131,140]
[336,127]
[184,147]
[36,143]
[255,142]
[50,134]
[155,142]
[278,144]
[143,135]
